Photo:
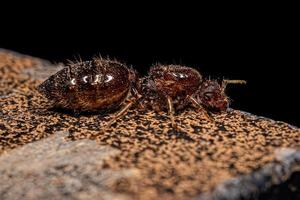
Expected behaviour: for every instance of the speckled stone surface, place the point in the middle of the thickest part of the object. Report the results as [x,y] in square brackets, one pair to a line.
[239,155]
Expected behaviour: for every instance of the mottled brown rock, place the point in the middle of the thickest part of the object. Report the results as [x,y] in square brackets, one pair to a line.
[199,163]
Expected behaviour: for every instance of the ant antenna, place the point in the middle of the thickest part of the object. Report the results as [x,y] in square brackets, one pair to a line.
[225,82]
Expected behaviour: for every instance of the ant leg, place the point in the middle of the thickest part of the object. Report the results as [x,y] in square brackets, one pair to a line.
[124,109]
[120,113]
[135,93]
[225,82]
[171,113]
[198,105]
[137,96]
[171,110]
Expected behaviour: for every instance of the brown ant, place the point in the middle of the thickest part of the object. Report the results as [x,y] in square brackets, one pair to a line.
[103,84]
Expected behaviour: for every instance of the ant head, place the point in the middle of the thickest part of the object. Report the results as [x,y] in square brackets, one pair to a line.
[211,95]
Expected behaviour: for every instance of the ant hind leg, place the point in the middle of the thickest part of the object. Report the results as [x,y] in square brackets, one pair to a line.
[171,114]
[123,110]
[200,107]
[119,114]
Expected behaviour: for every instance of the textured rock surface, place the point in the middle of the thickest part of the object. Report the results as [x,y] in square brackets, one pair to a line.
[41,155]
[55,169]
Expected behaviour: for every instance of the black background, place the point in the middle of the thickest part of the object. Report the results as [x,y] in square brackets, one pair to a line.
[260,48]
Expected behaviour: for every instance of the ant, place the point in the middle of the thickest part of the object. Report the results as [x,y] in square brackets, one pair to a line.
[103,84]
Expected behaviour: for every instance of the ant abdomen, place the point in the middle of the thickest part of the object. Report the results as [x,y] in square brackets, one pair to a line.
[88,86]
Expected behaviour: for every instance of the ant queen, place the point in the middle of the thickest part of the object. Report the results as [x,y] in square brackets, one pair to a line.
[105,85]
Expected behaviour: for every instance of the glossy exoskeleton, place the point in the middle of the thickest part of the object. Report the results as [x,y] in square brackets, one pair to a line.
[173,87]
[103,84]
[94,85]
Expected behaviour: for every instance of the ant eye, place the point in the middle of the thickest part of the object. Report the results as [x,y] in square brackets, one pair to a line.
[208,96]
